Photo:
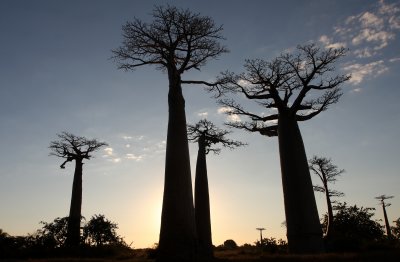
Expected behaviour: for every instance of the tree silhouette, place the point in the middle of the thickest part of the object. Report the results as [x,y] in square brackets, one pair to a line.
[176,41]
[100,231]
[281,87]
[354,227]
[74,148]
[382,199]
[207,135]
[54,234]
[395,229]
[327,172]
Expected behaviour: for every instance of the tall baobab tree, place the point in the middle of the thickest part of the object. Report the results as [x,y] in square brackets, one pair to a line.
[176,41]
[281,87]
[382,199]
[207,135]
[74,148]
[327,173]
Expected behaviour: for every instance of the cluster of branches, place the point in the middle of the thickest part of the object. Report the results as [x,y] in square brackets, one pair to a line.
[211,135]
[72,147]
[327,172]
[175,38]
[282,85]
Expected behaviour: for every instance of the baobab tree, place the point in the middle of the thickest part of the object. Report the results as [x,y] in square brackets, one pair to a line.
[280,86]
[327,173]
[176,41]
[74,148]
[207,135]
[382,199]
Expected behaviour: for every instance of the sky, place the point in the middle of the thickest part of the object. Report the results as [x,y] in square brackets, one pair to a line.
[56,74]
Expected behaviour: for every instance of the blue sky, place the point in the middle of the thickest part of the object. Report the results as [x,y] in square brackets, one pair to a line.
[56,75]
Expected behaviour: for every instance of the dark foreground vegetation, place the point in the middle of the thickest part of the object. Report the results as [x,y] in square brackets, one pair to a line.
[240,254]
[357,238]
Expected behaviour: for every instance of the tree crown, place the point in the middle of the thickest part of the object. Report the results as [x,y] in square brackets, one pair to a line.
[382,199]
[211,135]
[327,173]
[176,39]
[72,147]
[281,85]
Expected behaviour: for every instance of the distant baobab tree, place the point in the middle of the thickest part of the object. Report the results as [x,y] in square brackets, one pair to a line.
[327,173]
[74,148]
[176,41]
[207,135]
[261,229]
[382,199]
[280,86]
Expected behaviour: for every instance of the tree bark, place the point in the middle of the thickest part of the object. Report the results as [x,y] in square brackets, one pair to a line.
[74,219]
[304,231]
[388,231]
[330,227]
[202,204]
[178,233]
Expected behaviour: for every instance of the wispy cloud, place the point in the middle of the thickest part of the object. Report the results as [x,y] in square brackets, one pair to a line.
[230,116]
[356,90]
[116,160]
[234,118]
[134,157]
[395,59]
[224,109]
[134,147]
[203,114]
[369,31]
[367,34]
[328,42]
[139,137]
[109,151]
[360,71]
[110,155]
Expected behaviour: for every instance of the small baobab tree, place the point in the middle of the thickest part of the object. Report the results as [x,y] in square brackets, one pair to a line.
[281,86]
[176,41]
[207,135]
[74,148]
[382,199]
[327,173]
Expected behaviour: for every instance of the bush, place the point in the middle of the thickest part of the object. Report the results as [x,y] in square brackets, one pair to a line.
[354,228]
[99,231]
[230,244]
[99,239]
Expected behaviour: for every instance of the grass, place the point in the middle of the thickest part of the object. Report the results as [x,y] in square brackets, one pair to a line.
[238,255]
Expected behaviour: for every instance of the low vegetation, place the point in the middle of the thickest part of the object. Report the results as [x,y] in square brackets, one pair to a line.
[357,238]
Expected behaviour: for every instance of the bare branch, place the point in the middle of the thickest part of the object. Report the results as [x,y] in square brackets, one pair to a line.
[263,129]
[320,104]
[71,147]
[327,172]
[284,82]
[211,136]
[177,39]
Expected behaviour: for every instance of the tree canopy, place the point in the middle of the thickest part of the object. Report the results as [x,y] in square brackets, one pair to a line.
[283,84]
[72,147]
[176,38]
[212,135]
[327,172]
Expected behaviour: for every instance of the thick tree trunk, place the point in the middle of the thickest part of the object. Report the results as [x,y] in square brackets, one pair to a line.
[330,228]
[304,231]
[178,233]
[202,205]
[74,219]
[388,231]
